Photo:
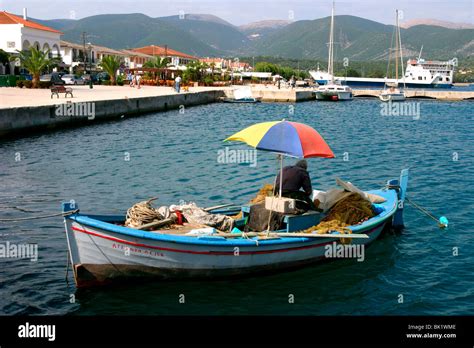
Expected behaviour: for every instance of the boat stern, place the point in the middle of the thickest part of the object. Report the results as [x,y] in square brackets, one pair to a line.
[400,186]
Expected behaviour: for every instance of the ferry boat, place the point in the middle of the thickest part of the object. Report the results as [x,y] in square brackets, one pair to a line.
[419,73]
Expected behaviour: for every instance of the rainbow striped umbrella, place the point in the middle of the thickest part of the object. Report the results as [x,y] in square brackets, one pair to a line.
[286,138]
[289,138]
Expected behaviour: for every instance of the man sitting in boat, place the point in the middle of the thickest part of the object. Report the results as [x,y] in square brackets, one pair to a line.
[294,178]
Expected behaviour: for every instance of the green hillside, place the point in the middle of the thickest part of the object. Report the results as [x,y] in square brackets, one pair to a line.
[360,39]
[356,38]
[218,35]
[135,30]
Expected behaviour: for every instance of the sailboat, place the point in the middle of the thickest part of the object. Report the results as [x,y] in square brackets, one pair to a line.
[333,90]
[393,93]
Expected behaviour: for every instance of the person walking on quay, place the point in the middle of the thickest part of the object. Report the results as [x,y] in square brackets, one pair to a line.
[177,83]
[293,82]
[138,78]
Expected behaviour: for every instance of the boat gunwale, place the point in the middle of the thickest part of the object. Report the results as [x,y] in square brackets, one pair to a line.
[88,220]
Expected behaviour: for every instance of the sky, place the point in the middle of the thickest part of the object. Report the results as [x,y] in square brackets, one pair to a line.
[240,12]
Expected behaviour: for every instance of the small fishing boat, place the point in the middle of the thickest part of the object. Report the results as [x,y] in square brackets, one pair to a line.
[242,95]
[394,94]
[102,249]
[241,100]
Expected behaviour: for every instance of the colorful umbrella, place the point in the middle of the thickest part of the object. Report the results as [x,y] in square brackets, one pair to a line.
[288,138]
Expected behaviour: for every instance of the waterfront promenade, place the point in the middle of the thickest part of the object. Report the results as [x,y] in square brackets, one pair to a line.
[16,97]
[29,110]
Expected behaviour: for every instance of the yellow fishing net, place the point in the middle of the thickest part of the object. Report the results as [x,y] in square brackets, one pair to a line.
[351,210]
[265,191]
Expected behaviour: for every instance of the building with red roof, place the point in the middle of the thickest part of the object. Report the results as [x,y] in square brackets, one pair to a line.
[177,58]
[19,33]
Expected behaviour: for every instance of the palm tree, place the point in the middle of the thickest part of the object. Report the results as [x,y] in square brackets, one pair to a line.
[157,63]
[111,64]
[35,61]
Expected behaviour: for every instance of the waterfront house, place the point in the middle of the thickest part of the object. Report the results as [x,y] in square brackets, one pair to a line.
[135,59]
[216,63]
[74,55]
[19,33]
[177,58]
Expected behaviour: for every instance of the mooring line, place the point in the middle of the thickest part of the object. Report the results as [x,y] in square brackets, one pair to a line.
[41,216]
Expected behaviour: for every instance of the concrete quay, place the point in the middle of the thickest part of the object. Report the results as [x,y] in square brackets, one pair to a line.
[437,94]
[30,110]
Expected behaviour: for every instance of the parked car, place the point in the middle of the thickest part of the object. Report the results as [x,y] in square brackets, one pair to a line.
[103,76]
[54,78]
[88,77]
[71,79]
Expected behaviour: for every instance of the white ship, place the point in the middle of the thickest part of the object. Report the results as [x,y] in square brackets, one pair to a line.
[420,73]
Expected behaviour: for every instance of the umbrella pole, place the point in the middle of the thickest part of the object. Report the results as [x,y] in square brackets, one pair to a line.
[281,174]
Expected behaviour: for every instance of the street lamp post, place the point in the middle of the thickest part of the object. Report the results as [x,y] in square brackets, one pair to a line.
[89,46]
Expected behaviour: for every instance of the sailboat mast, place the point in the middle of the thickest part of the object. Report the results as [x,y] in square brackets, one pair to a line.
[396,49]
[401,54]
[331,44]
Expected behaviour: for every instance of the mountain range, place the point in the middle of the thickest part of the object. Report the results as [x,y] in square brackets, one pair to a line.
[208,35]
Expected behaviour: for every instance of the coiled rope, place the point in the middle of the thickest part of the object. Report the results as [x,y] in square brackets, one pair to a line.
[142,213]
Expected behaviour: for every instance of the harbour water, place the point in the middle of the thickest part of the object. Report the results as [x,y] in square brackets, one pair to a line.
[108,167]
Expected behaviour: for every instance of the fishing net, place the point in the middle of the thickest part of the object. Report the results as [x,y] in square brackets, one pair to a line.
[351,210]
[265,191]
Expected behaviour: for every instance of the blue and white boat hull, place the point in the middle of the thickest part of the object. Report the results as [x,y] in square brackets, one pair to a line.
[102,251]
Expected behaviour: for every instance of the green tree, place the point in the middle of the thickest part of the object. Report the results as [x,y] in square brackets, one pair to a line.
[353,73]
[35,61]
[157,62]
[4,57]
[267,67]
[111,64]
[376,73]
[195,71]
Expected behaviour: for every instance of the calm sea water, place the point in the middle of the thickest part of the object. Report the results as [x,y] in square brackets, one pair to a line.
[174,156]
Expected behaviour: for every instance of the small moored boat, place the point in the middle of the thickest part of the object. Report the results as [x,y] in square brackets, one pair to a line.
[394,94]
[333,90]
[102,249]
[242,95]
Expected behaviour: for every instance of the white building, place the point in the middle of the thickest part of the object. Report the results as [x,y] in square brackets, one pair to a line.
[136,59]
[19,33]
[72,55]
